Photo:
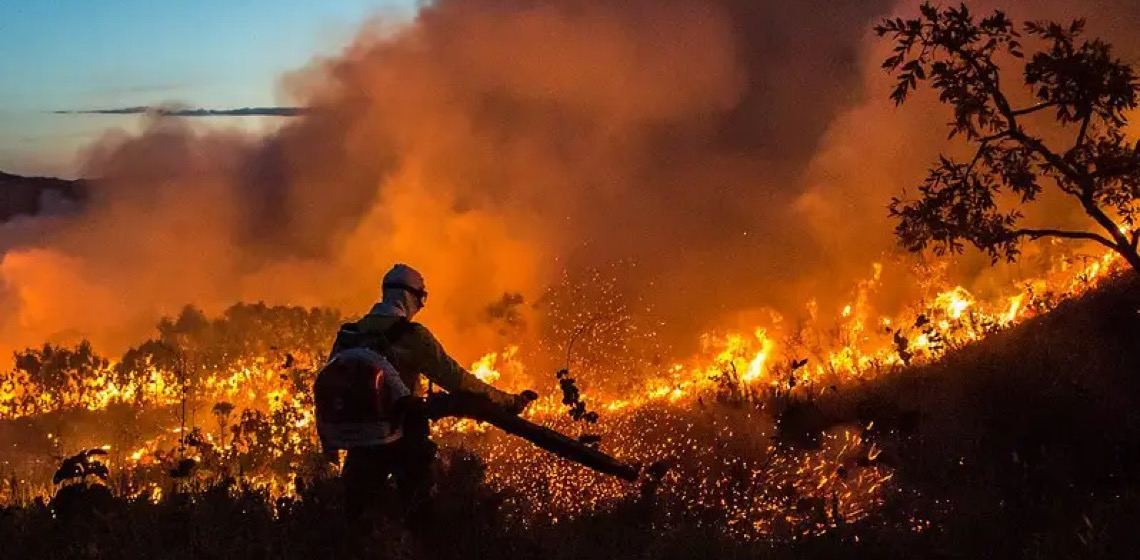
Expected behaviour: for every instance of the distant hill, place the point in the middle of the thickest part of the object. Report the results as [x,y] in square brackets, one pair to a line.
[191,112]
[26,196]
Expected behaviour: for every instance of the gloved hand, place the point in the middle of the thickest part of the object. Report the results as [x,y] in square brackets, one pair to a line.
[522,400]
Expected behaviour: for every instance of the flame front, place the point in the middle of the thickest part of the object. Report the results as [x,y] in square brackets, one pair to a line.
[670,416]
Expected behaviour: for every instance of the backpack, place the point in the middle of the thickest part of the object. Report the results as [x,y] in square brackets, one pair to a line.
[358,391]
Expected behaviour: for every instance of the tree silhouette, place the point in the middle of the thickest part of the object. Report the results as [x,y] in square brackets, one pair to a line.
[1079,82]
[61,371]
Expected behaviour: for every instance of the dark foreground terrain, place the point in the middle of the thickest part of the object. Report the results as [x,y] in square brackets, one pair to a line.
[1026,445]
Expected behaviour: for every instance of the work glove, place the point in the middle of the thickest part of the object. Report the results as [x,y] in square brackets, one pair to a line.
[520,401]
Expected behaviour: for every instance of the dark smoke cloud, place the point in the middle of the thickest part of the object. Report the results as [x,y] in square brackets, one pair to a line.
[172,112]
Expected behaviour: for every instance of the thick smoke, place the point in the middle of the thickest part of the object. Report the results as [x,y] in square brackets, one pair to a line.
[739,152]
[875,150]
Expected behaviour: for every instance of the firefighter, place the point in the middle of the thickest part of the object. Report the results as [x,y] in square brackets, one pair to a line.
[413,351]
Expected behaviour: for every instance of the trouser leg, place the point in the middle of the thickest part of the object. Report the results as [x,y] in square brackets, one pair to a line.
[414,470]
[364,476]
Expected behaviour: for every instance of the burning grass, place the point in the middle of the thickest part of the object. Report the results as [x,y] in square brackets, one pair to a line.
[1019,446]
[768,433]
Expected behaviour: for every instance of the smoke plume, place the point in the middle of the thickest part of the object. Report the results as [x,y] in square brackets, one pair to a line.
[739,153]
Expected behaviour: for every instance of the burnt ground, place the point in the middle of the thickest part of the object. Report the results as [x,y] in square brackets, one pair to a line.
[1024,445]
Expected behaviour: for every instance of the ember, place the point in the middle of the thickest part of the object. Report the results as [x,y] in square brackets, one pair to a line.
[685,416]
[613,194]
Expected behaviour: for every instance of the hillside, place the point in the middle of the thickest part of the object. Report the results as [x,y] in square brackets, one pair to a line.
[1021,445]
[25,196]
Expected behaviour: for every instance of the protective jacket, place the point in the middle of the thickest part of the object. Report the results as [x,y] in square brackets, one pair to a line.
[418,352]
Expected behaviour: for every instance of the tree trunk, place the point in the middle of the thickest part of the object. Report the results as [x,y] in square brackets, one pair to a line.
[1131,256]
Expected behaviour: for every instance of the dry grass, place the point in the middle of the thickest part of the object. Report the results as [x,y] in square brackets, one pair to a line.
[1021,446]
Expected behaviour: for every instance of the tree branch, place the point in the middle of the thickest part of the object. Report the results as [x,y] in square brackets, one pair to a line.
[1089,204]
[993,137]
[1085,235]
[1135,241]
[1003,106]
[1083,180]
[978,155]
[1084,132]
[1033,109]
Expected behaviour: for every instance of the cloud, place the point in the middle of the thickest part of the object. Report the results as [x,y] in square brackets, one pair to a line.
[196,112]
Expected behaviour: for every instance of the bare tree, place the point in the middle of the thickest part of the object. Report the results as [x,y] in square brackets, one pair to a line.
[1080,83]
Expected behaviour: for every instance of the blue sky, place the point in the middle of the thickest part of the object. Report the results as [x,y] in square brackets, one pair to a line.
[84,54]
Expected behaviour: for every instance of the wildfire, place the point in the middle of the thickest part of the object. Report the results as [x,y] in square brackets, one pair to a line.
[659,420]
[1015,304]
[955,302]
[487,367]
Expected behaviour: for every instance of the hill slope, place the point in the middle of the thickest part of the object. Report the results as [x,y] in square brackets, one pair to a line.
[1027,442]
[24,196]
[1022,445]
